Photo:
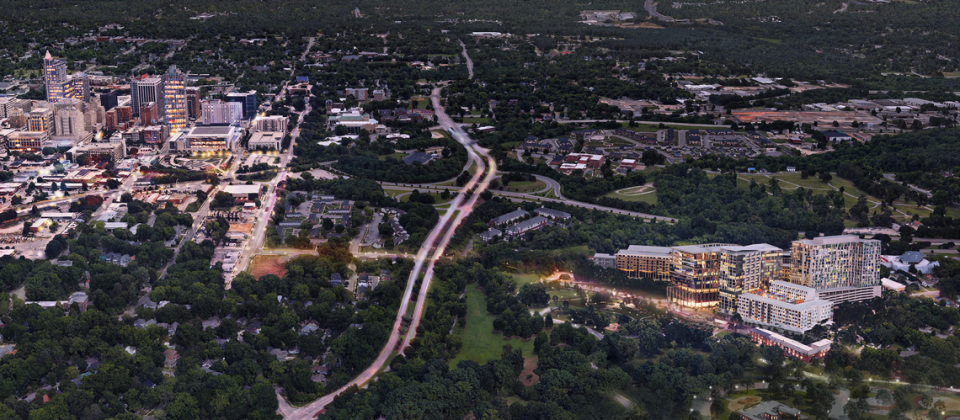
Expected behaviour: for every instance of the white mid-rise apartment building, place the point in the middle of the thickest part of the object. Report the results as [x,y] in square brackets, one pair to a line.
[786,306]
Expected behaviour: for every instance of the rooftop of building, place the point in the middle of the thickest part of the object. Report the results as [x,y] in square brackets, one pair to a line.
[646,251]
[211,131]
[832,240]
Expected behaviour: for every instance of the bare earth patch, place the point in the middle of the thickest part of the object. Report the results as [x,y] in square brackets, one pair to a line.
[268,264]
[743,402]
[529,364]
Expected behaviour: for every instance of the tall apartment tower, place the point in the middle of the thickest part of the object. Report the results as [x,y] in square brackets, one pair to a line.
[696,275]
[841,268]
[144,91]
[54,77]
[61,86]
[193,102]
[175,99]
[745,269]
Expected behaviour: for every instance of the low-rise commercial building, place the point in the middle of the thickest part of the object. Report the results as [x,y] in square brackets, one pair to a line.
[111,151]
[243,193]
[525,226]
[791,348]
[203,138]
[265,141]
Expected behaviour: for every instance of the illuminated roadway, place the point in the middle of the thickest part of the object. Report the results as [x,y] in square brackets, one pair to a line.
[460,207]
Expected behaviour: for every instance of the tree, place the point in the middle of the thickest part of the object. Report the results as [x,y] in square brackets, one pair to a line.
[385,229]
[716,407]
[825,176]
[183,407]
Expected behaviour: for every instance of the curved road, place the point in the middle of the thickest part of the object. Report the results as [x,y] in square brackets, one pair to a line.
[652,10]
[460,207]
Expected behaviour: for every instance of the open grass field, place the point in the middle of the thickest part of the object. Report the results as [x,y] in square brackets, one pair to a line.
[395,193]
[436,197]
[617,141]
[419,102]
[526,278]
[525,186]
[476,120]
[262,265]
[645,194]
[398,156]
[788,181]
[652,128]
[480,342]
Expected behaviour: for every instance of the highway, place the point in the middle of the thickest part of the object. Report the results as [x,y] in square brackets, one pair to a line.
[429,252]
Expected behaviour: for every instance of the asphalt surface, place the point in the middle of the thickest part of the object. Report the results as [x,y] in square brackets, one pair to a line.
[452,216]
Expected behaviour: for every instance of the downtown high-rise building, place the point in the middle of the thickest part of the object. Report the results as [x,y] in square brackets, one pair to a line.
[193,103]
[248,101]
[217,112]
[144,91]
[175,99]
[62,86]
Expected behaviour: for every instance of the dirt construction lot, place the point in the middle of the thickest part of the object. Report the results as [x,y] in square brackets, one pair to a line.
[268,264]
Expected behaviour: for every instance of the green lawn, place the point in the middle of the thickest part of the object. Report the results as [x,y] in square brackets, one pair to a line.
[788,181]
[617,141]
[523,279]
[419,102]
[436,197]
[650,197]
[394,193]
[397,156]
[480,342]
[476,120]
[525,186]
[651,128]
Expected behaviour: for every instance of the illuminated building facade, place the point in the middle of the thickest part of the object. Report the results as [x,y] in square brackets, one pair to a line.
[40,120]
[791,348]
[786,306]
[27,141]
[696,275]
[746,269]
[175,99]
[54,76]
[207,138]
[638,261]
[841,268]
[61,86]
